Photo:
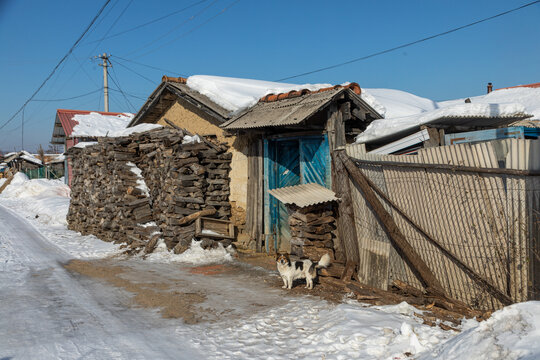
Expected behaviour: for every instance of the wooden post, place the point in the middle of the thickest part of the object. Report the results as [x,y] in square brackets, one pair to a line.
[419,267]
[347,246]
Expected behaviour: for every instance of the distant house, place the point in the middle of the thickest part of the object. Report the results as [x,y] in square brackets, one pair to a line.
[21,161]
[98,124]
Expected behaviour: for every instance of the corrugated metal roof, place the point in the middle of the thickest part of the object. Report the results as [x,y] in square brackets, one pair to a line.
[304,195]
[64,123]
[291,110]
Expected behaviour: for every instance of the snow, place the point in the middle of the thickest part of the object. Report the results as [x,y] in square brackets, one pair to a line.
[195,139]
[405,111]
[510,333]
[134,130]
[96,124]
[50,314]
[209,232]
[141,184]
[236,94]
[194,255]
[45,204]
[83,144]
[379,129]
[99,125]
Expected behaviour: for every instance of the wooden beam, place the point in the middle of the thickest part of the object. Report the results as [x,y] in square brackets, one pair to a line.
[419,267]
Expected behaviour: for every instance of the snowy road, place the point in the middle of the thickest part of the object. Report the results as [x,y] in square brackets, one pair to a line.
[47,313]
[98,309]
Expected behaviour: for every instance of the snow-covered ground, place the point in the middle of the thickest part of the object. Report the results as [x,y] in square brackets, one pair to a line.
[49,313]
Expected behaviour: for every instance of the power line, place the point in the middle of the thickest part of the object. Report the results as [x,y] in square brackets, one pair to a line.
[149,22]
[193,29]
[131,95]
[58,65]
[136,73]
[117,83]
[151,67]
[69,98]
[174,28]
[410,43]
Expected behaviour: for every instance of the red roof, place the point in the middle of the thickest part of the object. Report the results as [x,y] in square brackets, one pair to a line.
[535,85]
[66,117]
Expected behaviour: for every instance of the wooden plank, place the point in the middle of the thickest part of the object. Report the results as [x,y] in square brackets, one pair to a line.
[424,273]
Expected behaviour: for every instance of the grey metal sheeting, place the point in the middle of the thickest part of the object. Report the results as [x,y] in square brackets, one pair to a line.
[289,111]
[304,195]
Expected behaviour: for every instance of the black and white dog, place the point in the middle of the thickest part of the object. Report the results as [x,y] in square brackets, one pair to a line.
[302,269]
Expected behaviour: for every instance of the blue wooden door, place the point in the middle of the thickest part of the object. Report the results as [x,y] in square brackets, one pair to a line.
[289,162]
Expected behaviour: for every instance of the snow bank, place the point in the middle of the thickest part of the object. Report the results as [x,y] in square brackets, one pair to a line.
[511,333]
[45,204]
[194,255]
[96,124]
[236,94]
[46,199]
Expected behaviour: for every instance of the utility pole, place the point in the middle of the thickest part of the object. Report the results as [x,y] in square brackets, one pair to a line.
[105,64]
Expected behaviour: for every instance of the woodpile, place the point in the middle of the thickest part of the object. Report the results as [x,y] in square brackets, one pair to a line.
[147,186]
[313,231]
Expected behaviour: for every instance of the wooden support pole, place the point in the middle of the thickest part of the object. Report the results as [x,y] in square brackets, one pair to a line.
[419,267]
[347,246]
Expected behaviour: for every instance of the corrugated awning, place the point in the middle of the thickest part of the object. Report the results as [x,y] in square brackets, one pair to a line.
[304,195]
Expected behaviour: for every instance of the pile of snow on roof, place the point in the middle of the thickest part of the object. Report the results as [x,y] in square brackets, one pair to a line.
[236,94]
[407,111]
[99,125]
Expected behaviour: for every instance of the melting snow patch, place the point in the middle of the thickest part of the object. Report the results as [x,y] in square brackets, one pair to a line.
[194,255]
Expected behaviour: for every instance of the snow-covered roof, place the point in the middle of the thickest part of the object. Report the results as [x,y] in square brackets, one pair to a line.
[235,94]
[95,124]
[406,112]
[23,155]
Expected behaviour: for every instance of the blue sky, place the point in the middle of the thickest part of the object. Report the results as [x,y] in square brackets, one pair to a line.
[265,40]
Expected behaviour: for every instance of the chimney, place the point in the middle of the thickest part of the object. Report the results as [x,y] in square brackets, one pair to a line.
[489,88]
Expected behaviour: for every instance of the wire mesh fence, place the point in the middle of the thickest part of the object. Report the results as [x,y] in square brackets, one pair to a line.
[490,222]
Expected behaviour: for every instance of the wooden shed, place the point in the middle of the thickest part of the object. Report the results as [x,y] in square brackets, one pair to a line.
[290,138]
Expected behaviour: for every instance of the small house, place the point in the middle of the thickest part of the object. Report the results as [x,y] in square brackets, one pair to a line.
[290,139]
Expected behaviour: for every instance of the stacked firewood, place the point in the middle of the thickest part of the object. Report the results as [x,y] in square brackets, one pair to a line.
[312,231]
[147,186]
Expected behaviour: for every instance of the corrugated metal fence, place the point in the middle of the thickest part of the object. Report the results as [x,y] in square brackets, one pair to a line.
[490,221]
